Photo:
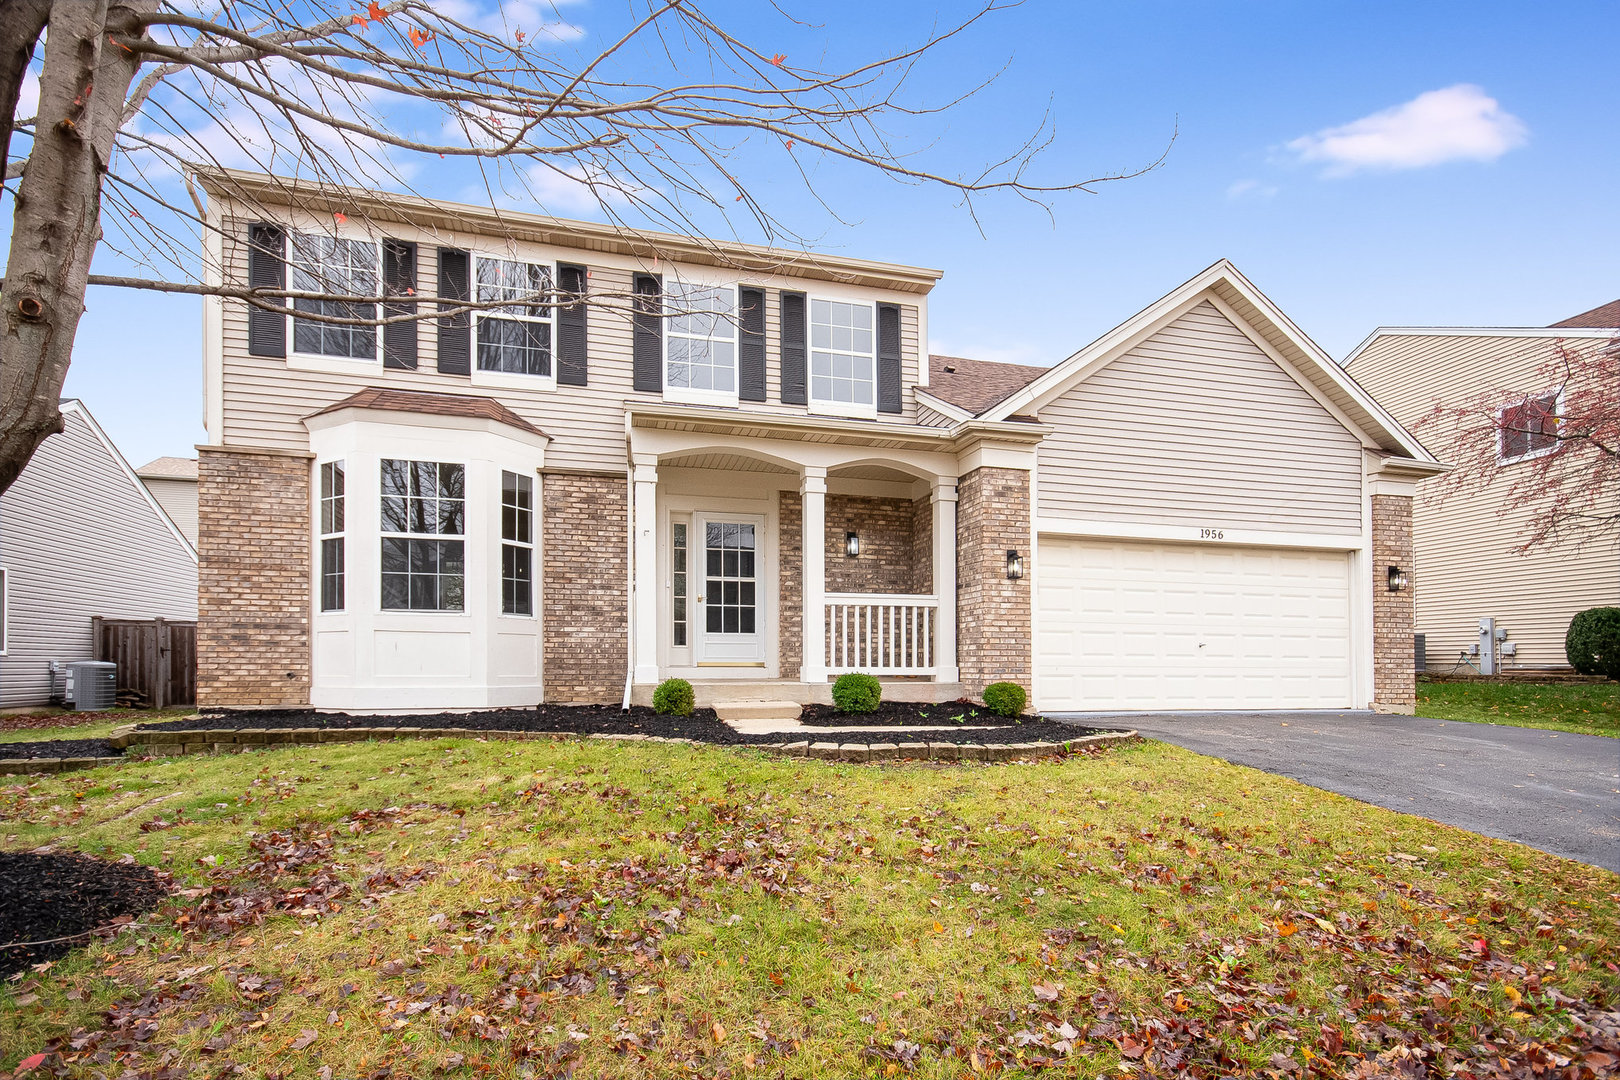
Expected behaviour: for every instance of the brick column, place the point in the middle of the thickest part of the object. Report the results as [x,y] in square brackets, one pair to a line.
[585,590]
[1394,681]
[790,625]
[993,614]
[254,589]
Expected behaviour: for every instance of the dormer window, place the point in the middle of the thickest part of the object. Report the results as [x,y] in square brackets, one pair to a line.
[333,265]
[700,342]
[514,338]
[1527,429]
[843,359]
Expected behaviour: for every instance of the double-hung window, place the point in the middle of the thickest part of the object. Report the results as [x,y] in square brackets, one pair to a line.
[335,266]
[423,502]
[1527,429]
[517,544]
[700,341]
[514,337]
[332,530]
[842,357]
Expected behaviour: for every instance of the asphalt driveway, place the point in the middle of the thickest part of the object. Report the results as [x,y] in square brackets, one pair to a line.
[1551,790]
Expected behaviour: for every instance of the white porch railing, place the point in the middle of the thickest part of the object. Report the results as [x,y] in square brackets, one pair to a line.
[881,633]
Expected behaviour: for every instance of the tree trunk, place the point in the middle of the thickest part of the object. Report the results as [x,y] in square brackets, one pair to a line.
[56,216]
[21,23]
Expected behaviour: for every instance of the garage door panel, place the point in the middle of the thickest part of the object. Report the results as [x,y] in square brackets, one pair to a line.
[1142,626]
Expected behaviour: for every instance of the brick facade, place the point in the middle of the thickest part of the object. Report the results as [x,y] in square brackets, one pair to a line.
[585,588]
[994,640]
[253,578]
[1394,681]
[922,545]
[888,559]
[790,623]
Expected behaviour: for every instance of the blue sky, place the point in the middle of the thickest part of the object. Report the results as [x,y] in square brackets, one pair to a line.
[1365,164]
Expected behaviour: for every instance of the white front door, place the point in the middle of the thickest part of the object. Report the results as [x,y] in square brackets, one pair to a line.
[729,609]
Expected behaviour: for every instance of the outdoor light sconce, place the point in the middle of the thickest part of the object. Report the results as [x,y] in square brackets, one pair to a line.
[1397,579]
[852,544]
[1015,565]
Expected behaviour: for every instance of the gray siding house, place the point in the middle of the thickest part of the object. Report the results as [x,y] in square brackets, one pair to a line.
[173,483]
[80,537]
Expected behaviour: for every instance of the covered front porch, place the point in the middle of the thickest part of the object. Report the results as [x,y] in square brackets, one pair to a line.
[768,557]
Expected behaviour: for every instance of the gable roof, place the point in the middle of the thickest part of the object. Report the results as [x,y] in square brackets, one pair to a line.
[1604,316]
[1263,322]
[975,385]
[431,404]
[77,408]
[168,468]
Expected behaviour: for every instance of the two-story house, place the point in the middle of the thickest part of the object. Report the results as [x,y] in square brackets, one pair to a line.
[1468,539]
[737,465]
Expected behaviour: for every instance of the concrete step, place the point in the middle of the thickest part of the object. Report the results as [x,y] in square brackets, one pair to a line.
[757,710]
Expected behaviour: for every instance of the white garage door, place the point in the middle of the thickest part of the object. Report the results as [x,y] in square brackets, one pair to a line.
[1178,626]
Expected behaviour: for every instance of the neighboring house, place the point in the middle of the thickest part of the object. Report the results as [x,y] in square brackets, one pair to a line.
[173,483]
[1196,511]
[1467,565]
[80,538]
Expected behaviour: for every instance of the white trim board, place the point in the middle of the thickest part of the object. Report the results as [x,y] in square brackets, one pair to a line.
[1213,535]
[1579,332]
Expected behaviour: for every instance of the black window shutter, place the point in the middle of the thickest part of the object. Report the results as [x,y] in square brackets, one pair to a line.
[267,269]
[888,358]
[455,331]
[794,337]
[571,361]
[399,279]
[648,349]
[751,346]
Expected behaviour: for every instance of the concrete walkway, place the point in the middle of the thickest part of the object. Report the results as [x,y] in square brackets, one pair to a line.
[1551,790]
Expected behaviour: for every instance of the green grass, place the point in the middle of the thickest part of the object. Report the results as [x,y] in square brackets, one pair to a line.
[81,725]
[1588,708]
[633,910]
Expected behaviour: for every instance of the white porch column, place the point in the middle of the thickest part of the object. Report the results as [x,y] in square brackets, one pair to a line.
[944,497]
[813,542]
[645,608]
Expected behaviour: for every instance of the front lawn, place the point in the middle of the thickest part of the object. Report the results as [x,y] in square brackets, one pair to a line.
[64,724]
[1588,708]
[467,909]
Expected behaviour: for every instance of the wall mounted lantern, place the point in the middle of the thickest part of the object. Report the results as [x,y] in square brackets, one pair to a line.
[1398,579]
[1015,565]
[852,544]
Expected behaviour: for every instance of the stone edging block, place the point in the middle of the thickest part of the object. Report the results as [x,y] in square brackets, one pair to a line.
[171,743]
[28,766]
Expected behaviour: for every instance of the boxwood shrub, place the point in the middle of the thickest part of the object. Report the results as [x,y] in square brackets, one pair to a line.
[674,697]
[1593,642]
[857,693]
[1005,698]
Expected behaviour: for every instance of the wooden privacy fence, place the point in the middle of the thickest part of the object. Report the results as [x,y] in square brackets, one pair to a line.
[156,658]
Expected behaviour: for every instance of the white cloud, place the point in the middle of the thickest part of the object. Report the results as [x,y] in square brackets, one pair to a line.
[1251,189]
[1458,123]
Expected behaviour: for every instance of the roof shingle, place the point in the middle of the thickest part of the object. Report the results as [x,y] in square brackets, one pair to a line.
[168,468]
[976,385]
[422,401]
[1604,317]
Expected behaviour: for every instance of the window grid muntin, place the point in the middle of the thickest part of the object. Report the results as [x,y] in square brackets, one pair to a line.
[517,544]
[678,586]
[700,337]
[420,500]
[514,338]
[332,525]
[1523,444]
[334,264]
[731,583]
[843,353]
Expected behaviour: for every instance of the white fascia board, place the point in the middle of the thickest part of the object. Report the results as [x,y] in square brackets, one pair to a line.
[77,408]
[1577,332]
[395,418]
[1207,536]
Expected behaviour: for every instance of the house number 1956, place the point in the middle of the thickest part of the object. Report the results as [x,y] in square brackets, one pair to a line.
[1211,534]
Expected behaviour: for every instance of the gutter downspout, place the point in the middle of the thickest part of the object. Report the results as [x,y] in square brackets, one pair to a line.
[630,583]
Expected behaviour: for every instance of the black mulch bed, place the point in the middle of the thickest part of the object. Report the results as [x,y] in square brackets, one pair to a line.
[914,712]
[47,897]
[701,726]
[58,748]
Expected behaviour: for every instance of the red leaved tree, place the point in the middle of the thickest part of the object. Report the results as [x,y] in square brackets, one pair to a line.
[1554,450]
[665,125]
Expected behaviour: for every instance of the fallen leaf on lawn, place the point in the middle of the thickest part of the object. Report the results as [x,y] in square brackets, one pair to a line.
[305,1037]
[1046,991]
[938,929]
[32,1062]
[718,1030]
[1512,994]
[1284,929]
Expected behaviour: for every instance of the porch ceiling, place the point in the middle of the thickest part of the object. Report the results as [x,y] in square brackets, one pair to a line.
[727,462]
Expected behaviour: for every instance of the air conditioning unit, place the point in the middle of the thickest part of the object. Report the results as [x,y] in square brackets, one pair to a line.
[92,685]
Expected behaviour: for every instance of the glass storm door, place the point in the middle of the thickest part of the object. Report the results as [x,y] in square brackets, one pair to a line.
[730,623]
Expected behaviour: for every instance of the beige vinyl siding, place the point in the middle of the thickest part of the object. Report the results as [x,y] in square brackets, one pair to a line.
[78,539]
[1464,540]
[265,399]
[929,418]
[179,500]
[1198,426]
